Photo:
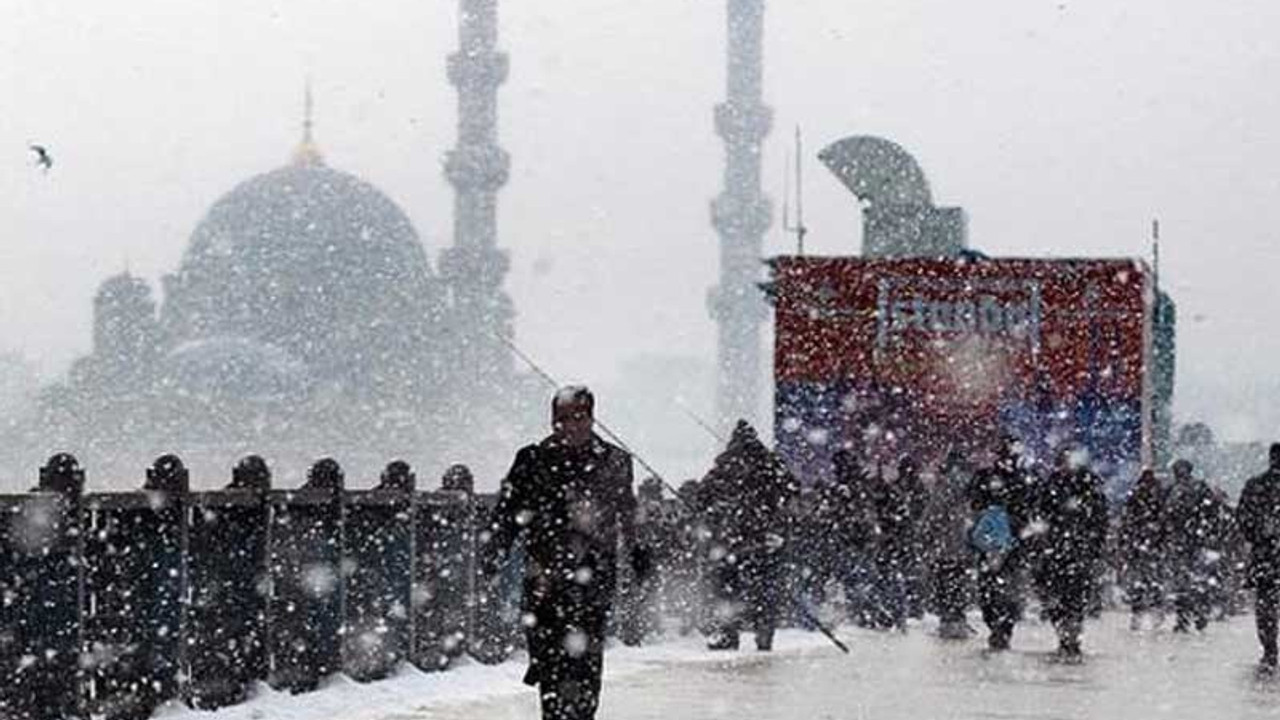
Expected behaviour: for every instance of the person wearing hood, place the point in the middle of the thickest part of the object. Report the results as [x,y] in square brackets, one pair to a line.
[851,523]
[748,495]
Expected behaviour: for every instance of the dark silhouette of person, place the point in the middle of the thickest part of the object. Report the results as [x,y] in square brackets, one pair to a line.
[1073,510]
[1258,519]
[1141,546]
[1191,528]
[748,495]
[1004,491]
[570,497]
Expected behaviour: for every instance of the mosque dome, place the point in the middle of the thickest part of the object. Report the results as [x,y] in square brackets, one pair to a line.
[306,258]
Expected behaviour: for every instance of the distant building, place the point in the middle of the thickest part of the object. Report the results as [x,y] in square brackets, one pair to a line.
[305,319]
[899,220]
[925,346]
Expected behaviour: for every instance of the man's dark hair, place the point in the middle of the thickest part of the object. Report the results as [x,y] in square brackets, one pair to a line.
[573,395]
[1275,454]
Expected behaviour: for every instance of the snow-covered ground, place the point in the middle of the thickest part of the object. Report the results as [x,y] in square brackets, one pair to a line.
[1151,674]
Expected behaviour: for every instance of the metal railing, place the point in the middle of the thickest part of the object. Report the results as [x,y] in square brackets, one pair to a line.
[113,603]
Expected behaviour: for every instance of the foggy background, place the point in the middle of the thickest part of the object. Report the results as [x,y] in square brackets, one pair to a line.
[1061,127]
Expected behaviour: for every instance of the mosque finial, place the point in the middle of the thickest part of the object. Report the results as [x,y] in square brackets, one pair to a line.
[307,153]
[308,111]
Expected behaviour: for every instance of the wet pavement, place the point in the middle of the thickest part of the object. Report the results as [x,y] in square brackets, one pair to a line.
[1150,674]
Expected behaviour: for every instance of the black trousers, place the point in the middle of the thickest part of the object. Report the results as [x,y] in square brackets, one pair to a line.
[566,651]
[892,588]
[1191,593]
[750,589]
[1000,595]
[1145,584]
[1267,607]
[638,612]
[1068,591]
[951,589]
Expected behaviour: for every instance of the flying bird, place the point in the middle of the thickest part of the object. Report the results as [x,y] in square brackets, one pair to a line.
[43,158]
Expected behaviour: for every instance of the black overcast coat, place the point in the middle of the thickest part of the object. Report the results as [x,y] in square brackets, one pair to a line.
[1258,519]
[575,506]
[1073,508]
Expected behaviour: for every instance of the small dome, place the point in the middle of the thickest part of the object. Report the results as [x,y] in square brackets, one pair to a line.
[234,368]
[124,286]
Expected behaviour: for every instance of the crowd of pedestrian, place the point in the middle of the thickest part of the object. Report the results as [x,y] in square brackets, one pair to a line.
[746,548]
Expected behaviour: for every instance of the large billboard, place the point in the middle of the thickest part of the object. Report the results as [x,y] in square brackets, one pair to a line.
[928,355]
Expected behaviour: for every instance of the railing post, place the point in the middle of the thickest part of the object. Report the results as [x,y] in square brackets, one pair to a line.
[442,584]
[229,582]
[378,545]
[41,577]
[496,629]
[133,592]
[306,607]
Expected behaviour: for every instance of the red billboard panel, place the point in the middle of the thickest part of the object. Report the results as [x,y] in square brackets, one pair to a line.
[929,355]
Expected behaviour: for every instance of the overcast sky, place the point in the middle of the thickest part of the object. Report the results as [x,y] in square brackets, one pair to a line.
[1061,127]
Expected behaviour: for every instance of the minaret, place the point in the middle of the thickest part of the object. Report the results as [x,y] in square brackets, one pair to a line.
[473,268]
[741,215]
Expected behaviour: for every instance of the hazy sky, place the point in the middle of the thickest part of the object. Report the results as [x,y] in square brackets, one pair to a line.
[1061,127]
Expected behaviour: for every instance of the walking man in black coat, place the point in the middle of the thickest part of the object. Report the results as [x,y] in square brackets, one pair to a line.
[901,507]
[571,497]
[1073,510]
[1259,522]
[1191,531]
[1142,547]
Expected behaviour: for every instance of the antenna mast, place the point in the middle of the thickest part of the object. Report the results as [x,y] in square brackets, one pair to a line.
[1155,250]
[786,195]
[799,228]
